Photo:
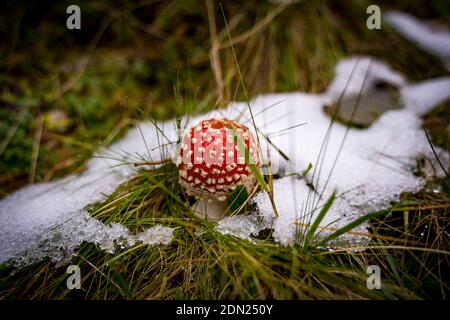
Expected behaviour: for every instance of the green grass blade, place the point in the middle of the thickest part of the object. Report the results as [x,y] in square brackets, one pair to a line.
[243,150]
[435,154]
[353,225]
[305,172]
[237,198]
[319,219]
[392,263]
[259,177]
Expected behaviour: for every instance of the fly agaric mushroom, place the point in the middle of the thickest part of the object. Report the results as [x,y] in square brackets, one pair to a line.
[211,165]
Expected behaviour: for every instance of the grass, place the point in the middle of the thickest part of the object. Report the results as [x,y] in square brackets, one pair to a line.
[163,59]
[216,266]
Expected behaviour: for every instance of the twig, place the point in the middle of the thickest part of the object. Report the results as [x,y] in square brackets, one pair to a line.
[257,28]
[435,154]
[12,130]
[214,52]
[36,146]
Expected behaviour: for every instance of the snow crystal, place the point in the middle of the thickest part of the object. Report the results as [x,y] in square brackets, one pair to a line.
[156,235]
[432,38]
[244,226]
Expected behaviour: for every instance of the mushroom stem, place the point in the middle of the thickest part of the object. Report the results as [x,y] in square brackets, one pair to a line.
[209,209]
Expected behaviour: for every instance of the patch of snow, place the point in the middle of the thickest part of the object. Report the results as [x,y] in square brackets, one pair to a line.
[435,39]
[35,213]
[423,96]
[244,226]
[156,235]
[355,71]
[61,241]
[373,168]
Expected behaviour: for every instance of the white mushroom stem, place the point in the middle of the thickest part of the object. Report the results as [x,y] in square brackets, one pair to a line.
[209,209]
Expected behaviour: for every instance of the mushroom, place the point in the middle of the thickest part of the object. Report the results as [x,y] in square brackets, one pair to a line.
[211,165]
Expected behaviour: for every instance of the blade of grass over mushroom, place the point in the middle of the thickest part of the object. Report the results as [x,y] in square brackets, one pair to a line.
[255,170]
[250,162]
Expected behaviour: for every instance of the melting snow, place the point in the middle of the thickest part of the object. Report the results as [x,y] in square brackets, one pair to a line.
[351,73]
[156,235]
[373,167]
[421,97]
[48,219]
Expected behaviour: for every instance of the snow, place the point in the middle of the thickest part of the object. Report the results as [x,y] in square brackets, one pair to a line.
[156,235]
[435,39]
[53,213]
[352,72]
[421,97]
[371,170]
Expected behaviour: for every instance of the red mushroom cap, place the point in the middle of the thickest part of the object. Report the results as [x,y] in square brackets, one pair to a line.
[210,163]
